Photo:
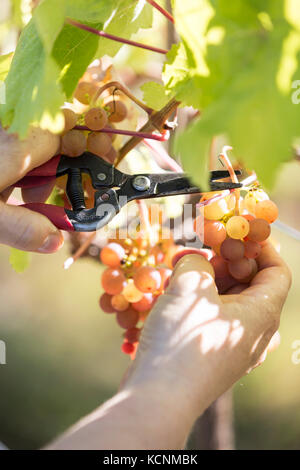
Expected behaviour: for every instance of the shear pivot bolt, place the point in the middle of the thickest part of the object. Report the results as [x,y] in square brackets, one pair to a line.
[101,176]
[141,183]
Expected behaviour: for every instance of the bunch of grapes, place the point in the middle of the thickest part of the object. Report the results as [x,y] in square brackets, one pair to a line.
[235,236]
[138,272]
[93,118]
[135,276]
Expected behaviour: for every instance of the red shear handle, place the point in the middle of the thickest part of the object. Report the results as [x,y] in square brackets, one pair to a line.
[56,214]
[41,175]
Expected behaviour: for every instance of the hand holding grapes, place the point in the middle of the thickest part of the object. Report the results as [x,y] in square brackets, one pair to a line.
[194,346]
[21,228]
[197,343]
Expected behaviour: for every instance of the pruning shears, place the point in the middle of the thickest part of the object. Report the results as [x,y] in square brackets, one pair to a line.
[113,188]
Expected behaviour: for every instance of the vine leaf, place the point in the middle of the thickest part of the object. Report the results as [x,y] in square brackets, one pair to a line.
[19,260]
[154,95]
[51,56]
[5,61]
[243,59]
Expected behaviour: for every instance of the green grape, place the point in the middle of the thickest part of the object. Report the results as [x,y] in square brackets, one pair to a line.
[117,110]
[73,143]
[99,143]
[70,119]
[95,119]
[237,227]
[85,92]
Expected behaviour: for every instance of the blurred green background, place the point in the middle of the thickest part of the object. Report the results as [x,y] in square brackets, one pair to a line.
[64,358]
[63,353]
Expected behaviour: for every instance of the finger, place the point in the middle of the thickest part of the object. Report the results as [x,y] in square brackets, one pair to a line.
[272,282]
[19,157]
[28,230]
[189,251]
[236,289]
[37,194]
[193,274]
[274,343]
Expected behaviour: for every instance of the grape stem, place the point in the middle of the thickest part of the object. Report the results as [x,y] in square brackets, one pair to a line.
[225,159]
[156,122]
[119,86]
[141,135]
[115,38]
[161,10]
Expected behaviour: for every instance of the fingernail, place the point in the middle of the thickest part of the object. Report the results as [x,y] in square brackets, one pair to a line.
[189,251]
[52,243]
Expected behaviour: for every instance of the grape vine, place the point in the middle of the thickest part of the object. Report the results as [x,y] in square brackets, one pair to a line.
[227,63]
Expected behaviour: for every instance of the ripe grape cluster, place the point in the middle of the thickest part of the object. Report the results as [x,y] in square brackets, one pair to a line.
[235,237]
[135,276]
[137,272]
[94,117]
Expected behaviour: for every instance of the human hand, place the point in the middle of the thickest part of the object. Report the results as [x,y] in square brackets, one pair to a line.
[196,344]
[20,227]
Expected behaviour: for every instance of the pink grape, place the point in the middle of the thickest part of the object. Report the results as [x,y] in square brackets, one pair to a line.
[147,279]
[252,249]
[240,269]
[127,319]
[259,230]
[220,266]
[105,303]
[113,281]
[127,348]
[133,334]
[112,255]
[119,303]
[144,304]
[253,272]
[211,232]
[232,250]
[266,210]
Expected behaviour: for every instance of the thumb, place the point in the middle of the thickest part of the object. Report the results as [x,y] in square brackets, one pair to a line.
[27,230]
[193,274]
[20,156]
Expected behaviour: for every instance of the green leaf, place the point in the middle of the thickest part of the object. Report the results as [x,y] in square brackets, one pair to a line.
[5,62]
[32,90]
[180,77]
[49,30]
[238,70]
[128,19]
[193,147]
[74,50]
[19,260]
[51,56]
[154,95]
